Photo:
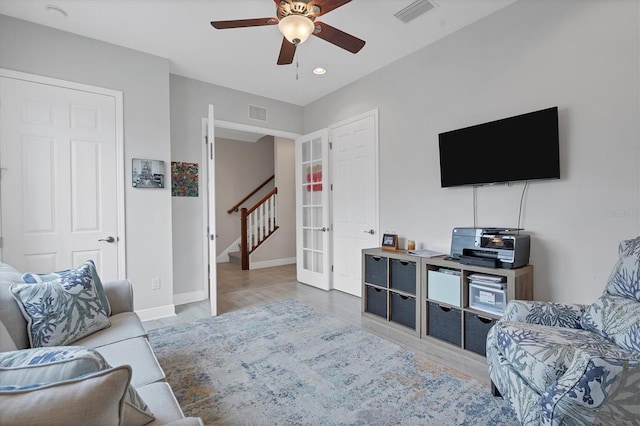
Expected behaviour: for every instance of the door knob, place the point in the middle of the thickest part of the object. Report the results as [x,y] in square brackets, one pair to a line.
[370,231]
[108,239]
[324,229]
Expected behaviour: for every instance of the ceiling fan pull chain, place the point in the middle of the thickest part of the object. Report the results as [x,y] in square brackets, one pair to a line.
[297,70]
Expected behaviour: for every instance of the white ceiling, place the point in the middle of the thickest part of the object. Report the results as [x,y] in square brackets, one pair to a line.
[245,58]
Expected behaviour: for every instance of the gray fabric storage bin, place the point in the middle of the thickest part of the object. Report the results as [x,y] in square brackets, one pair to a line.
[376,301]
[375,270]
[445,323]
[475,332]
[403,310]
[403,275]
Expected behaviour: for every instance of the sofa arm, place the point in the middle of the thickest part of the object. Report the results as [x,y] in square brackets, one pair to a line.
[120,295]
[544,313]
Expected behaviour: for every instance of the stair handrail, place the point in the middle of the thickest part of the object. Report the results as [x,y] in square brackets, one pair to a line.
[245,250]
[263,200]
[237,206]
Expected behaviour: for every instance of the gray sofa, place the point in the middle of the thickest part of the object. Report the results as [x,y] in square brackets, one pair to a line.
[131,369]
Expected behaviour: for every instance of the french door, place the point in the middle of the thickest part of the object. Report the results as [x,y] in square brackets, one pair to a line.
[312,210]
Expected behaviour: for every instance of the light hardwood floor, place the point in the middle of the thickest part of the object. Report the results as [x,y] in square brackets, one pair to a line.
[239,289]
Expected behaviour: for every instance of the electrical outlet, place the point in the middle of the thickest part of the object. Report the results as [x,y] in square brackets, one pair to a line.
[155,284]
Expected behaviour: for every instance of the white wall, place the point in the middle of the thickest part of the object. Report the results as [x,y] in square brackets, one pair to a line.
[144,80]
[581,55]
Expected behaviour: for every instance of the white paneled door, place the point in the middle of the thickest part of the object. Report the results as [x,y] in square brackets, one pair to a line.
[354,165]
[312,210]
[59,194]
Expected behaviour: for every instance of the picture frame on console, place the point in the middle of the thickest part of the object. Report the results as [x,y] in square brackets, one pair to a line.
[390,242]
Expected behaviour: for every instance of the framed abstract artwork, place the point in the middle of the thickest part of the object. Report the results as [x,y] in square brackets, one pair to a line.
[184,179]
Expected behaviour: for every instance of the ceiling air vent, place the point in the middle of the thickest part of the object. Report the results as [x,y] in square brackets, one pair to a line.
[414,10]
[257,113]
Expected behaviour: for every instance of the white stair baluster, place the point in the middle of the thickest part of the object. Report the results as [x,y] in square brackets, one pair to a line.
[249,230]
[275,210]
[255,229]
[262,233]
[269,215]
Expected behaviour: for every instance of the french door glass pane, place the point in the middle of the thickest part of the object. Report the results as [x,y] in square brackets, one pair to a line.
[307,218]
[317,243]
[307,260]
[306,152]
[316,149]
[317,262]
[307,239]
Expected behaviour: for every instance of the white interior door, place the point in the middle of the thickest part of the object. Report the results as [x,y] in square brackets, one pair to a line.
[312,210]
[211,194]
[354,165]
[59,185]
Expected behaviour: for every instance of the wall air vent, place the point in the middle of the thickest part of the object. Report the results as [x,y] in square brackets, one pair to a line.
[257,113]
[414,10]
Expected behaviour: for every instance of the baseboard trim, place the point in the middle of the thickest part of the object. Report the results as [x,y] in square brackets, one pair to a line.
[271,263]
[194,296]
[157,313]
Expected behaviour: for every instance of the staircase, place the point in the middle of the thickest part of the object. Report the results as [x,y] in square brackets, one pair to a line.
[256,223]
[235,257]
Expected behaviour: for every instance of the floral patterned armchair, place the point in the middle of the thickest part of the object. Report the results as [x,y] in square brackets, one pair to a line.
[573,364]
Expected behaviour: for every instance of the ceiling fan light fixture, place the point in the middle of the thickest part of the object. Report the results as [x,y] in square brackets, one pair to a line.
[296,28]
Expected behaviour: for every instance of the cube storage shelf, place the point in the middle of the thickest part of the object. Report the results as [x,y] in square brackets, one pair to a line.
[439,299]
[391,289]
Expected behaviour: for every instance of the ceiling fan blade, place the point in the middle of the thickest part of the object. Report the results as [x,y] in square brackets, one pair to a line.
[327,6]
[339,37]
[287,52]
[242,23]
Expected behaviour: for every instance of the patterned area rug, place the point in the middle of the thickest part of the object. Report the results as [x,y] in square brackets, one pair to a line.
[285,363]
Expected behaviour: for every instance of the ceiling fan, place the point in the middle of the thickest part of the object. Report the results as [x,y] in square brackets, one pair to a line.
[296,20]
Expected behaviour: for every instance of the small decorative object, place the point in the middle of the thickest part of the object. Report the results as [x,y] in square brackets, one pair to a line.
[147,173]
[184,179]
[411,245]
[390,242]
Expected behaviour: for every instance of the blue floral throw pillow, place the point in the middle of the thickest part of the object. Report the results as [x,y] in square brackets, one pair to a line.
[88,265]
[63,310]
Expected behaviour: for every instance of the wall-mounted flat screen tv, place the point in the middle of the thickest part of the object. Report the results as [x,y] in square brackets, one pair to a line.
[519,148]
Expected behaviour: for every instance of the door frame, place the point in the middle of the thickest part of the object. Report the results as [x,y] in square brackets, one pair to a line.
[119,139]
[209,260]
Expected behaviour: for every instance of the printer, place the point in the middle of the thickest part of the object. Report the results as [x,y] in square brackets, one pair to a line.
[490,247]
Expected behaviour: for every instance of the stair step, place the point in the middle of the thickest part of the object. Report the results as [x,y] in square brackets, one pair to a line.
[235,257]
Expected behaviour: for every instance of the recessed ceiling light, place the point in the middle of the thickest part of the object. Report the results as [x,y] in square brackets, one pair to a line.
[56,11]
[319,71]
